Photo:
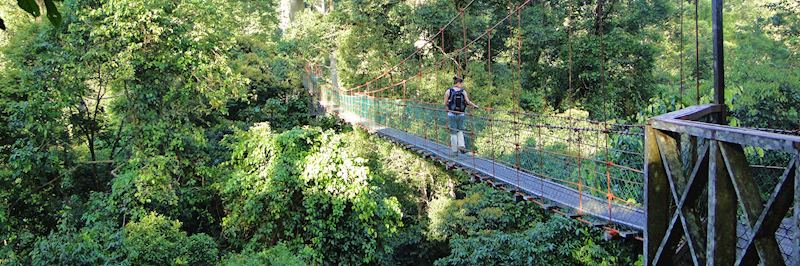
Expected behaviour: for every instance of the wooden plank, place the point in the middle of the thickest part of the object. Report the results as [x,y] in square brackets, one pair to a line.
[694,112]
[750,199]
[656,198]
[771,218]
[721,232]
[747,137]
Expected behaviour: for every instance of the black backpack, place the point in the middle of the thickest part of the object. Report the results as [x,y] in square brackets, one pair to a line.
[457,102]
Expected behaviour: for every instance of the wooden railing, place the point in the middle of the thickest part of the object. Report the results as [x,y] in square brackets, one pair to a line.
[698,179]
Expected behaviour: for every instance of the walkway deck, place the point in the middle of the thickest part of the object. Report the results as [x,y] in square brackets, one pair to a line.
[528,183]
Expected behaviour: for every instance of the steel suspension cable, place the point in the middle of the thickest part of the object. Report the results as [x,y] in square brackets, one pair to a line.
[600,14]
[609,195]
[464,40]
[519,87]
[569,41]
[479,37]
[682,88]
[696,52]
[417,51]
[492,144]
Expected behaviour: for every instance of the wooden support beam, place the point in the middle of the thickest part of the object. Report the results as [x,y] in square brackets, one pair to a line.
[770,219]
[750,199]
[604,224]
[530,197]
[685,221]
[549,206]
[666,246]
[743,136]
[721,232]
[656,197]
[694,112]
[670,154]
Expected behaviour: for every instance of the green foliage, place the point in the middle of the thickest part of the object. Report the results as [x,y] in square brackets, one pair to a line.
[274,256]
[130,134]
[415,182]
[134,83]
[98,244]
[494,235]
[263,190]
[483,210]
[155,240]
[307,187]
[626,62]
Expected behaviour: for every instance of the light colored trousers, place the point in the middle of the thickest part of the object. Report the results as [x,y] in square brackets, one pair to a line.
[456,124]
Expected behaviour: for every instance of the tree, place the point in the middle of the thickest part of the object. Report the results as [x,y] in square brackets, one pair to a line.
[305,187]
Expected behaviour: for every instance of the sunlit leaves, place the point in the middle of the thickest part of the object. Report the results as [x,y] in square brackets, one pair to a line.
[306,186]
[155,240]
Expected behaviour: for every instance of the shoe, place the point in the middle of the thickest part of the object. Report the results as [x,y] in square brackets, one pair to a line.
[463,150]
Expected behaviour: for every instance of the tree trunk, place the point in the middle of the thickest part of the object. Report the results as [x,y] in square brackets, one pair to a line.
[288,10]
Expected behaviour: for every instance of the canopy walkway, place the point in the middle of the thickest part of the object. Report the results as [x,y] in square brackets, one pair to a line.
[578,176]
[683,179]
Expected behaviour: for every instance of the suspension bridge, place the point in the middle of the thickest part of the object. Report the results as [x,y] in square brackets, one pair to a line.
[681,182]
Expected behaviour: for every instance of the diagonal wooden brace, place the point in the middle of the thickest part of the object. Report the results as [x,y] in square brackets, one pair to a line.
[690,225]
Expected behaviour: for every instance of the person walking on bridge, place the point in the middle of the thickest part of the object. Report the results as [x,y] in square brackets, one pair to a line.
[456,100]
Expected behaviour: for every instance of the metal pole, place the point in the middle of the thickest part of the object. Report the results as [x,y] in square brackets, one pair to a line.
[719,58]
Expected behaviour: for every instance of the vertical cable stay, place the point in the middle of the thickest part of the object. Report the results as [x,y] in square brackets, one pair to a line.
[569,41]
[682,87]
[519,92]
[493,146]
[600,14]
[696,53]
[463,56]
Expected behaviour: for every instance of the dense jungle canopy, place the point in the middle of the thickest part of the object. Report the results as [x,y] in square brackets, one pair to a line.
[161,132]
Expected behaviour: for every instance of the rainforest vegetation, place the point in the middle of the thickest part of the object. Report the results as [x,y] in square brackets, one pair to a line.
[187,132]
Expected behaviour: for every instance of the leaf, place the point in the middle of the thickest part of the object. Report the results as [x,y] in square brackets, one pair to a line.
[29,6]
[52,13]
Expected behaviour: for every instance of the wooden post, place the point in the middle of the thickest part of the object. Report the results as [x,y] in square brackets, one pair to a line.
[719,58]
[657,198]
[721,232]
